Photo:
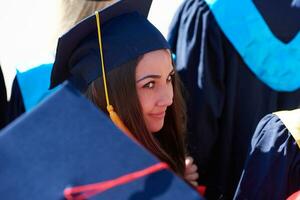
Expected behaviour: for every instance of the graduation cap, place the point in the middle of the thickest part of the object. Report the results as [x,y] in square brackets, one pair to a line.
[104,41]
[71,149]
[125,35]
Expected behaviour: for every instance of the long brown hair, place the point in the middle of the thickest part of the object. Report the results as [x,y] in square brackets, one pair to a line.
[168,144]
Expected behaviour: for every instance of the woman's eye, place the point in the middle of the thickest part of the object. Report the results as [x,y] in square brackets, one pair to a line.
[149,85]
[170,78]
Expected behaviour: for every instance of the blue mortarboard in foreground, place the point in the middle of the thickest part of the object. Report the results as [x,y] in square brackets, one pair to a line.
[66,142]
[126,34]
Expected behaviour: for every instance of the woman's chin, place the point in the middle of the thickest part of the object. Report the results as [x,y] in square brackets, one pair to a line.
[154,125]
[155,129]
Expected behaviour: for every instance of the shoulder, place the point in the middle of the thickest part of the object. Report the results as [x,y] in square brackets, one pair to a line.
[276,129]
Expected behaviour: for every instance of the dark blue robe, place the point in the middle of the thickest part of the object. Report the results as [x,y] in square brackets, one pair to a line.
[28,90]
[272,170]
[226,97]
[3,101]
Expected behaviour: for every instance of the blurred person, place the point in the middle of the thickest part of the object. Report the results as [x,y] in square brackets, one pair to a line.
[239,61]
[31,87]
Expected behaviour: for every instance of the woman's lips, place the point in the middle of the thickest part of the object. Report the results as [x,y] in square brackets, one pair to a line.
[158,115]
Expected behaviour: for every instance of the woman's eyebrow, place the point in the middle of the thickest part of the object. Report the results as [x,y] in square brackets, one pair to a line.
[148,76]
[153,76]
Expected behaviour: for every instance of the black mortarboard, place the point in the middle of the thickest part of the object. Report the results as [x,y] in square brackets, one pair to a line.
[64,145]
[126,35]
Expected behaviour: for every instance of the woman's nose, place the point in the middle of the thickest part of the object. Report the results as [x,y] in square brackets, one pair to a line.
[165,97]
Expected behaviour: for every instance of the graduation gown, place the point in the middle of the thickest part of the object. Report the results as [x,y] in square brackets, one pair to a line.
[226,97]
[29,89]
[272,170]
[3,101]
[16,102]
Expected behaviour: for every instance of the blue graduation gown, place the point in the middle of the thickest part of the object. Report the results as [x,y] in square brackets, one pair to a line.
[29,89]
[272,170]
[226,99]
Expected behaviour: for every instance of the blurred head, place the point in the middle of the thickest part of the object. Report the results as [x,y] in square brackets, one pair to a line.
[71,12]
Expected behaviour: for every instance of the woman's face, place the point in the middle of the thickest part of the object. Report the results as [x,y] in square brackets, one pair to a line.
[154,74]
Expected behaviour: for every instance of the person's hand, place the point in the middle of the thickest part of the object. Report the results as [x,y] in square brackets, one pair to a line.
[191,174]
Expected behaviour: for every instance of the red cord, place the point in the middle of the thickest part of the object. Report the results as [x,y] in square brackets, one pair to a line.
[86,191]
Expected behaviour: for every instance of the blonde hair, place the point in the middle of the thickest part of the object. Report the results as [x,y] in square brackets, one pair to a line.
[70,12]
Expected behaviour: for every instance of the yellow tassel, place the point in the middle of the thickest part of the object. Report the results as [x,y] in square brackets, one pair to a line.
[112,114]
[117,121]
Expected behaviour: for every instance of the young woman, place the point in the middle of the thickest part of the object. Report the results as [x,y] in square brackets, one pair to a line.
[146,93]
[141,82]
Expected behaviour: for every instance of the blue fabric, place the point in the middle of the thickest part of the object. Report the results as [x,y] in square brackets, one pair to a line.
[66,141]
[275,63]
[296,3]
[3,101]
[34,85]
[272,169]
[281,17]
[225,100]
